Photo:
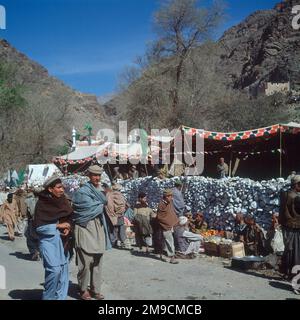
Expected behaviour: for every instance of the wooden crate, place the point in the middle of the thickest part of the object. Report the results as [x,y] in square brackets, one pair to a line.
[225,250]
[211,249]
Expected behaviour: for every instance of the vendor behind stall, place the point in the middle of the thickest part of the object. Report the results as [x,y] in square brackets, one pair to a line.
[253,237]
[199,225]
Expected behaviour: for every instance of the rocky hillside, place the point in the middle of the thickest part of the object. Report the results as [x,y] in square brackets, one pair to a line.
[37,83]
[264,47]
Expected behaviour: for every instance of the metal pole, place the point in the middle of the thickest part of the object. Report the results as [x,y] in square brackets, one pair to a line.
[230,165]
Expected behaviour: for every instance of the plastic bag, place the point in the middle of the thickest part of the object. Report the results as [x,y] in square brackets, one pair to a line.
[277,242]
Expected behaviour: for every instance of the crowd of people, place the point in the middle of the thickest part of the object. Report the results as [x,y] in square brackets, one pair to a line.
[98,218]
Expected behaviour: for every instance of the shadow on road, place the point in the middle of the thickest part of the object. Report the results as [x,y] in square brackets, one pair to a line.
[21,255]
[145,255]
[281,285]
[28,294]
[36,294]
[255,273]
[74,291]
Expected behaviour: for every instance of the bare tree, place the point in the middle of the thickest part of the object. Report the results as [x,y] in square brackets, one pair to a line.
[181,26]
[166,88]
[49,120]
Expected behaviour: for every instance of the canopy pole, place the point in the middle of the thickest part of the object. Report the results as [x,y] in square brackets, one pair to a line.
[280,150]
[146,170]
[230,165]
[110,171]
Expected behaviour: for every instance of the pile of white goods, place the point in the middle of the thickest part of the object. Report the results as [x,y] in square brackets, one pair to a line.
[73,182]
[219,200]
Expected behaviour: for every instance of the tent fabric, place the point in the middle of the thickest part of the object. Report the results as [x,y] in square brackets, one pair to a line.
[108,150]
[38,173]
[81,153]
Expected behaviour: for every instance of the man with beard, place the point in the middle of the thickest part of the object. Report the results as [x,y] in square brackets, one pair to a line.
[91,234]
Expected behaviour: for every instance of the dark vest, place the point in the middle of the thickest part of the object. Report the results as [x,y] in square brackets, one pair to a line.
[289,213]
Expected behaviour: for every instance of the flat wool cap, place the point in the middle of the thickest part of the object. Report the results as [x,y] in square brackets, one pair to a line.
[296,179]
[50,181]
[168,192]
[95,169]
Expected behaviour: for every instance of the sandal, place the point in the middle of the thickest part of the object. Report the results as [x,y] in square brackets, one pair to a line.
[85,295]
[173,261]
[99,296]
[162,259]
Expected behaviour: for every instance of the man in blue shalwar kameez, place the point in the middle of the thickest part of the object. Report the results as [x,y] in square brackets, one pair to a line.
[51,221]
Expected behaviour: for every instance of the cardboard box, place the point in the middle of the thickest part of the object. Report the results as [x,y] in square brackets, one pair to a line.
[211,249]
[238,249]
[235,249]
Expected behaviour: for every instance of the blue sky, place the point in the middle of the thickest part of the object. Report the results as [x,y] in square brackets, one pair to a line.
[87,43]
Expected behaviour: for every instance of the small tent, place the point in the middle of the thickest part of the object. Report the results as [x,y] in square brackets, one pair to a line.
[38,173]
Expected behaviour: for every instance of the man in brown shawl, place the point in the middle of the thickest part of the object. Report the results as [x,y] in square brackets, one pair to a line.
[52,220]
[167,219]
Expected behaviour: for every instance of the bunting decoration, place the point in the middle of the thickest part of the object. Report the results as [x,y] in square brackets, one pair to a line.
[242,152]
[242,135]
[81,161]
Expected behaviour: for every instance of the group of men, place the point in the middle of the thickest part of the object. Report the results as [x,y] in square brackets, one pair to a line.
[93,220]
[60,223]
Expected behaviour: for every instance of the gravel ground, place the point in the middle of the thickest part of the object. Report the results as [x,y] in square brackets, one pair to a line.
[131,275]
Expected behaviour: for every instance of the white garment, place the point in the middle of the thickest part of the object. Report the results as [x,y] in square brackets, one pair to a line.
[192,236]
[277,242]
[195,242]
[3,197]
[20,227]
